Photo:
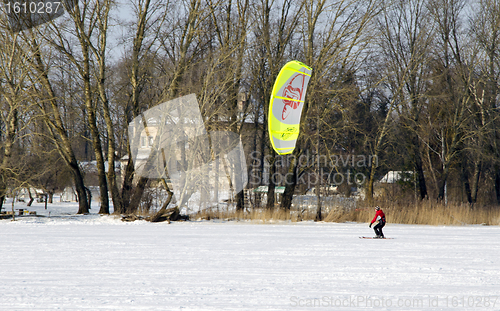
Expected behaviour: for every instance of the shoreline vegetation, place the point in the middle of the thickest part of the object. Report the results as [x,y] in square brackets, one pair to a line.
[398,210]
[424,212]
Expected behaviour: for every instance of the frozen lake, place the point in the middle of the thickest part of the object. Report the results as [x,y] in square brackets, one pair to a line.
[94,262]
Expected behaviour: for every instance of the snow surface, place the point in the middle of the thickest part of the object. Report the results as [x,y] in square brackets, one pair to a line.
[72,262]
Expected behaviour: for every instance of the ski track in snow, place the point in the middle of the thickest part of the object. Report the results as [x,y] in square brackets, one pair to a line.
[71,262]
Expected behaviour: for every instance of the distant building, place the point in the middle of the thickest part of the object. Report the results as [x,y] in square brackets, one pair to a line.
[391,182]
[394,176]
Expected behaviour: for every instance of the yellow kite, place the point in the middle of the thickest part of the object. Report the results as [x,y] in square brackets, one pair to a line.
[285,106]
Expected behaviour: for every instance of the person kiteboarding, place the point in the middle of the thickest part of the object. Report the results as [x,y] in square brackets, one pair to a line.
[380,217]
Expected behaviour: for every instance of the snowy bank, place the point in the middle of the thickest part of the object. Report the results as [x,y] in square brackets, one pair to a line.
[103,263]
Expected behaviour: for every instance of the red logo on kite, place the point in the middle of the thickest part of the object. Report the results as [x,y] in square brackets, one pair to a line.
[292,90]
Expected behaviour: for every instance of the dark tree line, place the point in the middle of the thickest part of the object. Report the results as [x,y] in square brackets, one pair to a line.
[411,85]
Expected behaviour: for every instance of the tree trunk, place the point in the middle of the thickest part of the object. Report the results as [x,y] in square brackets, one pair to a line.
[31,197]
[263,143]
[92,123]
[240,200]
[319,176]
[113,187]
[291,183]
[136,197]
[318,197]
[475,181]
[101,170]
[127,187]
[89,197]
[271,185]
[83,204]
[497,182]
[10,129]
[113,184]
[163,209]
[418,166]
[465,180]
[422,187]
[371,181]
[442,195]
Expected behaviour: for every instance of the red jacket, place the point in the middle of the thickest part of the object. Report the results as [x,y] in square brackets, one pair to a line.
[378,214]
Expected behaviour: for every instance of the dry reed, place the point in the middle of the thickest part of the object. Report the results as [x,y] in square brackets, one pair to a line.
[401,211]
[424,212]
[261,215]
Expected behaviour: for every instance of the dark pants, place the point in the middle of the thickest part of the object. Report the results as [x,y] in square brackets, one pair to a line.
[378,229]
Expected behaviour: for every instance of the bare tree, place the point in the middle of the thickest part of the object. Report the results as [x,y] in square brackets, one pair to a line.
[230,21]
[180,42]
[50,108]
[273,39]
[333,52]
[450,93]
[90,29]
[486,32]
[407,37]
[135,74]
[13,87]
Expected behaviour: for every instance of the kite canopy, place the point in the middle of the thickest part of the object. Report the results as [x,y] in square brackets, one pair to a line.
[285,106]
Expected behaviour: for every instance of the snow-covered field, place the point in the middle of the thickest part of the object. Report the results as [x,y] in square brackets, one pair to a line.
[74,262]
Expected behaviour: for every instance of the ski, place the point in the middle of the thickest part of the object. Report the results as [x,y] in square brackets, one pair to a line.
[369,237]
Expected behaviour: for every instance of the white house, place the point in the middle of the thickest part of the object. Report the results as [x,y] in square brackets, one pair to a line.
[394,176]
